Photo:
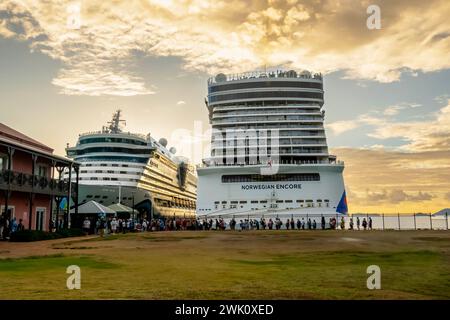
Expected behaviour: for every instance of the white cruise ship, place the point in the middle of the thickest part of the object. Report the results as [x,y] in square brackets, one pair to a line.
[269,152]
[134,170]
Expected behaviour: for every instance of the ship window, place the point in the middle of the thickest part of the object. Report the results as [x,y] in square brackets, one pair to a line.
[123,172]
[233,202]
[105,197]
[103,165]
[279,201]
[96,197]
[254,201]
[98,171]
[300,200]
[83,171]
[288,201]
[263,201]
[216,202]
[224,202]
[94,178]
[89,196]
[244,202]
[110,171]
[105,178]
[275,177]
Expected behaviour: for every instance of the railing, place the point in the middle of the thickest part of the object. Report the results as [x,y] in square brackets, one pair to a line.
[268,118]
[137,135]
[256,163]
[263,74]
[24,182]
[416,221]
[263,112]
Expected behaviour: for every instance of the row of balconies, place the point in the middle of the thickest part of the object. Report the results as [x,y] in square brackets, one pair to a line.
[270,119]
[24,182]
[269,112]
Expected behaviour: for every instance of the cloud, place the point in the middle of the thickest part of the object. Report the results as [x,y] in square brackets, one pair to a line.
[340,127]
[395,109]
[387,181]
[425,135]
[181,102]
[99,55]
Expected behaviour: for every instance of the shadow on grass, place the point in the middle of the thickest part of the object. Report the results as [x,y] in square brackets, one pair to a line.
[39,263]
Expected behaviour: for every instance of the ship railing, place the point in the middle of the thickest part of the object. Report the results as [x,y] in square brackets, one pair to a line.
[138,135]
[207,164]
[269,74]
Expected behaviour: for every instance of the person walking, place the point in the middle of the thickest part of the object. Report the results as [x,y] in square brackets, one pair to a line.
[20,226]
[358,223]
[322,222]
[370,223]
[86,226]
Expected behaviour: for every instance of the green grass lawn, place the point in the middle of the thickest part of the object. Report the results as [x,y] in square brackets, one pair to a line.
[232,265]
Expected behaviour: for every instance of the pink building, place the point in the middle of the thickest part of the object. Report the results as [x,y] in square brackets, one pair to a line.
[31,184]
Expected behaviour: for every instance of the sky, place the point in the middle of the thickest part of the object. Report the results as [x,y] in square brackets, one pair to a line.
[66,66]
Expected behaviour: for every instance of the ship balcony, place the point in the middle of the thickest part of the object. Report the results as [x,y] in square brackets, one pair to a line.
[23,182]
[273,127]
[246,107]
[281,145]
[218,139]
[263,113]
[213,162]
[263,121]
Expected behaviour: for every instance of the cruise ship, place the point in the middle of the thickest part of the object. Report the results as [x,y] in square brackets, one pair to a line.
[134,170]
[269,151]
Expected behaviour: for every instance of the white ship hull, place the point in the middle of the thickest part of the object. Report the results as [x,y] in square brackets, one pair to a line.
[309,197]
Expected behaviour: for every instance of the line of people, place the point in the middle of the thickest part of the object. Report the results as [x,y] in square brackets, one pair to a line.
[117,225]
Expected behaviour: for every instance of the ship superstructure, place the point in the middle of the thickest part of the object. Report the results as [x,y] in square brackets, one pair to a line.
[269,150]
[134,170]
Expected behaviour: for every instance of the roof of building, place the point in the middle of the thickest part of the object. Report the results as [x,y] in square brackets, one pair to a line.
[119,208]
[9,136]
[22,139]
[93,207]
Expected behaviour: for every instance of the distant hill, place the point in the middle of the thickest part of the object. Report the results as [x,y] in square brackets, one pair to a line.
[442,212]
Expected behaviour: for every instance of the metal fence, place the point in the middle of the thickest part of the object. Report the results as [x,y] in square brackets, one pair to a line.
[379,221]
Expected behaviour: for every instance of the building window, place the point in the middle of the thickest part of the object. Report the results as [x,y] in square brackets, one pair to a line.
[41,171]
[3,162]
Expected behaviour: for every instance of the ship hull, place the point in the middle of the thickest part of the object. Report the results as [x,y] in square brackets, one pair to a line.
[270,198]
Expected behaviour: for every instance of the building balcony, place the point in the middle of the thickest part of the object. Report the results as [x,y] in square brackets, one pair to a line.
[24,182]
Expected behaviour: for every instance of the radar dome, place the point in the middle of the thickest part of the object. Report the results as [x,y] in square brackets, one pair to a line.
[163,142]
[305,73]
[173,150]
[291,74]
[221,77]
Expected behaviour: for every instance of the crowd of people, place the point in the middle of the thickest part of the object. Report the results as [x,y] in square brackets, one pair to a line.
[9,226]
[123,225]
